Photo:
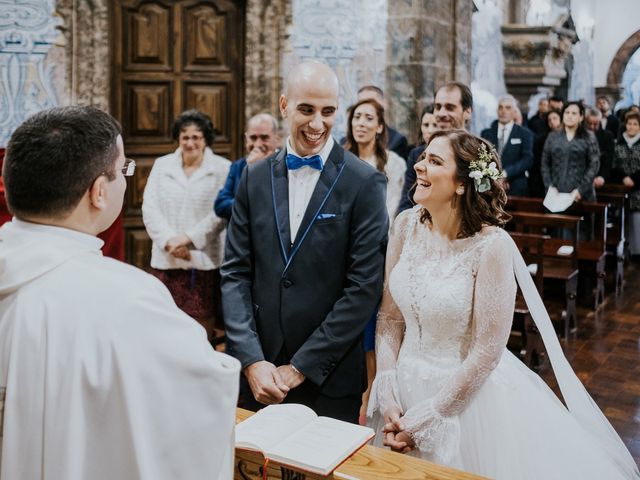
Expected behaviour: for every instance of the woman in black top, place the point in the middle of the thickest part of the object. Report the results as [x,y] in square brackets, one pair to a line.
[571,158]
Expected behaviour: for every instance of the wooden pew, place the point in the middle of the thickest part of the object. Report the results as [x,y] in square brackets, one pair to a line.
[592,250]
[532,350]
[559,265]
[370,463]
[617,245]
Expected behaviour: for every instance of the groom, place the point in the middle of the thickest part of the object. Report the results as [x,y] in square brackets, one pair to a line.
[304,259]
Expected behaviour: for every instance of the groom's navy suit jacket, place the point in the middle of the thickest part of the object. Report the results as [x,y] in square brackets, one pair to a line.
[306,301]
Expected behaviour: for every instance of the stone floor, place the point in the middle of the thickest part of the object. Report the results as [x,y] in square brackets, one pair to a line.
[605,354]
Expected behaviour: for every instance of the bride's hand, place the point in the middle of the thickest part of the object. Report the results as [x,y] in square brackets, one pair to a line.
[394,436]
[392,419]
[400,442]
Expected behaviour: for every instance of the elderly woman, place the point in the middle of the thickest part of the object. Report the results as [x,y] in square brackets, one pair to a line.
[188,238]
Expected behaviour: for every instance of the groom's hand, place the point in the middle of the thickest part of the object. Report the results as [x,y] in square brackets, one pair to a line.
[266,383]
[290,376]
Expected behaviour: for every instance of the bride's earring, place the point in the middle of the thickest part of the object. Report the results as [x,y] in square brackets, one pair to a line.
[460,190]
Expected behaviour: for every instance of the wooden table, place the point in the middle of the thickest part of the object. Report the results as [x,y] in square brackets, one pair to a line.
[369,463]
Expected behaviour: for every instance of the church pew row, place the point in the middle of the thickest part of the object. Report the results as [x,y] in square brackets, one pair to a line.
[592,246]
[560,254]
[529,342]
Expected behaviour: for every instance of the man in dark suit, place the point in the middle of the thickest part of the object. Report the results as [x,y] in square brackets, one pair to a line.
[261,140]
[609,121]
[304,259]
[514,144]
[538,122]
[606,144]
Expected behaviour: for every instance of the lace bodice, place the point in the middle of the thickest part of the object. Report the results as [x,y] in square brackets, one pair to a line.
[447,307]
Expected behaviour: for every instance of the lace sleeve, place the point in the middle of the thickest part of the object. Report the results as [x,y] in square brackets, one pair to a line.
[433,423]
[389,327]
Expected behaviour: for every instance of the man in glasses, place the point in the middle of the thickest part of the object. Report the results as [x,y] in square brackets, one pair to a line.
[101,375]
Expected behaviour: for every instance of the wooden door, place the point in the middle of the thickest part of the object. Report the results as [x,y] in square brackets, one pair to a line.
[169,56]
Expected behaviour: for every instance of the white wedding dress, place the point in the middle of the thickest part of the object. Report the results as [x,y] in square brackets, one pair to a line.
[441,339]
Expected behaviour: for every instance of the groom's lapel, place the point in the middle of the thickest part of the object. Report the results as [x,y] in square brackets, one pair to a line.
[330,173]
[280,195]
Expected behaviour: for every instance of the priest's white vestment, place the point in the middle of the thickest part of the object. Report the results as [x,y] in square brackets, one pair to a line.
[103,377]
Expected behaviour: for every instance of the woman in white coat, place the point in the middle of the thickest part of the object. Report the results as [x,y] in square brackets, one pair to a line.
[187,236]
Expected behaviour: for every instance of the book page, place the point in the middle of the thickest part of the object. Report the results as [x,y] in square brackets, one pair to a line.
[271,424]
[321,446]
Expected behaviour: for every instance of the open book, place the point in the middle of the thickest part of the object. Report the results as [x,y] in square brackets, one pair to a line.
[294,435]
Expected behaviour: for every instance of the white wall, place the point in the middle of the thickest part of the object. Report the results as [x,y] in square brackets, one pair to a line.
[615,21]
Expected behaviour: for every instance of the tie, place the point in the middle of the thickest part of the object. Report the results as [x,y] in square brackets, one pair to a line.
[501,140]
[294,162]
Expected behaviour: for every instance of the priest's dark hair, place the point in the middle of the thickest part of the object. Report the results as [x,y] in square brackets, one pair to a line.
[55,156]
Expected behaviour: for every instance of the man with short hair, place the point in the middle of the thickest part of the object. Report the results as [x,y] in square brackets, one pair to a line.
[395,140]
[514,144]
[537,123]
[304,259]
[453,107]
[261,140]
[556,103]
[102,376]
[606,144]
[609,121]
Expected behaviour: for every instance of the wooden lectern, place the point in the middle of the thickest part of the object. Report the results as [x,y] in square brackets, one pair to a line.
[369,463]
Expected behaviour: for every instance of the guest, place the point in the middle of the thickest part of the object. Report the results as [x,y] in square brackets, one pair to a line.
[366,138]
[606,144]
[102,376]
[452,109]
[447,389]
[187,236]
[536,185]
[303,259]
[427,127]
[396,142]
[514,144]
[609,121]
[556,103]
[626,165]
[570,157]
[537,123]
[261,140]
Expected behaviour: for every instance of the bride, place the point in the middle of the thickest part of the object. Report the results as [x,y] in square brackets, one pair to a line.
[447,389]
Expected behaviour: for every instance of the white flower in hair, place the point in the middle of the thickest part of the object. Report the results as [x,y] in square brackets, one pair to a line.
[484,170]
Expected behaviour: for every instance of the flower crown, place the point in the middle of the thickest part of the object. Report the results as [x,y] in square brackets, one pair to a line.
[484,169]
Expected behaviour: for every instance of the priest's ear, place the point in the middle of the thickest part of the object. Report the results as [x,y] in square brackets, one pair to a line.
[98,192]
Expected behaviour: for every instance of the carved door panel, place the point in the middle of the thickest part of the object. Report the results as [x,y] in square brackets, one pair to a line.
[169,56]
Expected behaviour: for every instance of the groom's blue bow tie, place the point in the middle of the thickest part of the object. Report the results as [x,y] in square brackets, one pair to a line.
[294,162]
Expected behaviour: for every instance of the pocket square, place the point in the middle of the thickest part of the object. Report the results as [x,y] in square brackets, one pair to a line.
[516,141]
[324,216]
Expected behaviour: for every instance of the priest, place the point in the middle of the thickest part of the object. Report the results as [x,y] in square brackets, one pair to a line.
[101,375]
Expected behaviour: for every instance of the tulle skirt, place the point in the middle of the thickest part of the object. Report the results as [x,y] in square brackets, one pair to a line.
[514,428]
